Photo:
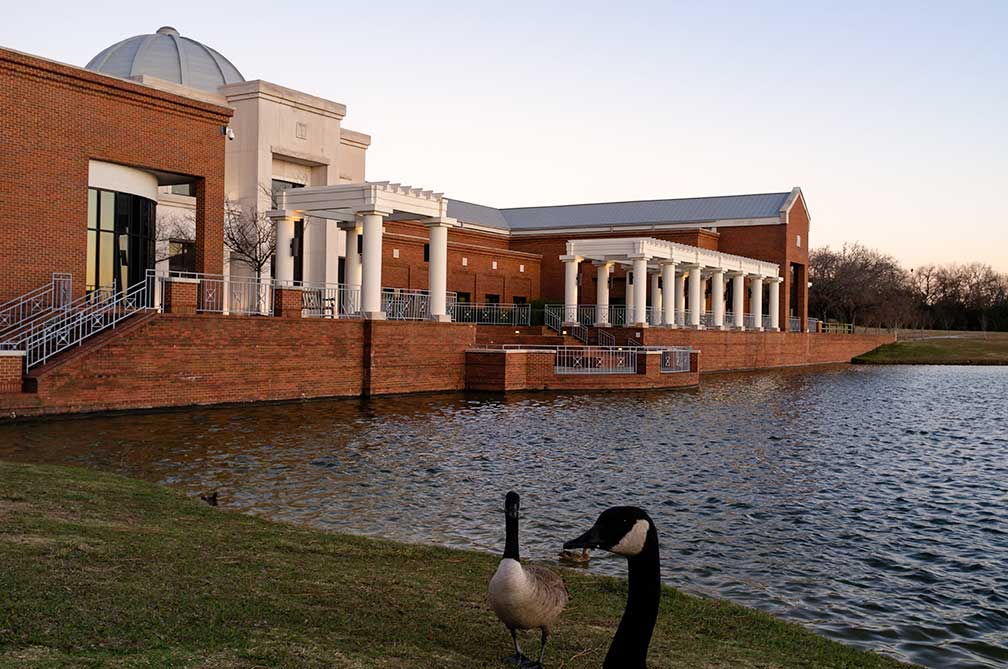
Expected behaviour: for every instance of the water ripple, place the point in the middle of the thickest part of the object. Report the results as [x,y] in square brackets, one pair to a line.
[865,503]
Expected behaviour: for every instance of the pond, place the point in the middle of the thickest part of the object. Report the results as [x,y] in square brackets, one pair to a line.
[866,503]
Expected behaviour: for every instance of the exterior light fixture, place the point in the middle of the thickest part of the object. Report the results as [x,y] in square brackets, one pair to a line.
[564,332]
[517,332]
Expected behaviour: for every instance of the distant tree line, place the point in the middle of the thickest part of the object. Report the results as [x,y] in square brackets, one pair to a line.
[866,287]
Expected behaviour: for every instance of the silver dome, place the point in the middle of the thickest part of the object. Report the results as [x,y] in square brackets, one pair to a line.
[169,56]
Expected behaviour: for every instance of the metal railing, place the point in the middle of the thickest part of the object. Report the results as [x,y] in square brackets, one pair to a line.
[553,317]
[606,338]
[813,325]
[838,328]
[491,314]
[675,360]
[749,321]
[595,360]
[794,324]
[220,294]
[70,327]
[17,312]
[330,300]
[408,304]
[617,315]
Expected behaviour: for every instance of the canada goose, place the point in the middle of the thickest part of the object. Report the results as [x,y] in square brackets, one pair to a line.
[630,532]
[524,597]
[209,498]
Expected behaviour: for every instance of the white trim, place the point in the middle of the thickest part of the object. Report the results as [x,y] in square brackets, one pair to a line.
[122,179]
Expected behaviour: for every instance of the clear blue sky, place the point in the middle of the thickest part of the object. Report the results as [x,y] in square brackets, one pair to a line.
[892,117]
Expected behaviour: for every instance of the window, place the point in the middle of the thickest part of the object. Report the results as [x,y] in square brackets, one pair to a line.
[184,189]
[465,261]
[426,252]
[120,240]
[181,255]
[798,241]
[521,268]
[519,299]
[395,253]
[278,186]
[493,264]
[463,297]
[492,299]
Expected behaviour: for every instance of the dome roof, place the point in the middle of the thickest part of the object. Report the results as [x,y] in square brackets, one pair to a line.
[169,56]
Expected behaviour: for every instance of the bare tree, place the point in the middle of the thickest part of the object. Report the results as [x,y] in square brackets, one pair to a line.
[170,228]
[249,234]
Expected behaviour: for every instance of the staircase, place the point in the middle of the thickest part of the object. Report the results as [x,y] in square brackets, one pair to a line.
[19,314]
[49,332]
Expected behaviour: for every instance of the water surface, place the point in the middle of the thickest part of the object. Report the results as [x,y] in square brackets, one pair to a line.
[866,503]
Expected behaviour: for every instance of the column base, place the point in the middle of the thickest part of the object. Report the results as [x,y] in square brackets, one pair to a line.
[603,325]
[693,327]
[570,324]
[639,325]
[374,315]
[773,329]
[737,328]
[441,318]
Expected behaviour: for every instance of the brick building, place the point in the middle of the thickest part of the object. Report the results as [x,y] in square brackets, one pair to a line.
[173,185]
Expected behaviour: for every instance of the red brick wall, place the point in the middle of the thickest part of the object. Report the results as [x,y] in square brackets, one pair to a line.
[722,350]
[170,360]
[502,371]
[516,273]
[408,357]
[11,370]
[53,119]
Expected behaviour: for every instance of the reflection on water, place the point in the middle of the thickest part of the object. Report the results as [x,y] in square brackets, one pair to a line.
[865,503]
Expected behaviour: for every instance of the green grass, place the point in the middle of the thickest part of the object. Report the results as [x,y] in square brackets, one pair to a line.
[966,348]
[99,570]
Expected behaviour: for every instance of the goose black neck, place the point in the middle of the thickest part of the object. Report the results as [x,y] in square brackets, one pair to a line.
[511,537]
[633,636]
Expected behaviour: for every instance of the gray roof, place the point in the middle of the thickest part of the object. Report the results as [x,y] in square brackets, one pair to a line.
[169,56]
[684,210]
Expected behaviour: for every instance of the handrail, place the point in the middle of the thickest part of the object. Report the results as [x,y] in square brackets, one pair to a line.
[71,327]
[491,313]
[19,311]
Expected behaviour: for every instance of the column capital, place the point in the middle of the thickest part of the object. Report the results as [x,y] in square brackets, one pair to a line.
[773,279]
[639,256]
[571,258]
[668,261]
[349,225]
[282,215]
[603,263]
[687,266]
[372,211]
[756,276]
[734,273]
[440,222]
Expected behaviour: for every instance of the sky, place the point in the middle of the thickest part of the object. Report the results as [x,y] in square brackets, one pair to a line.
[892,117]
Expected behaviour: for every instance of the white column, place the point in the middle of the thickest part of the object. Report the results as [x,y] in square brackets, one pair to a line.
[717,298]
[640,291]
[602,293]
[437,268]
[738,300]
[352,263]
[668,294]
[371,264]
[656,299]
[570,288]
[681,298]
[756,301]
[773,296]
[696,305]
[628,319]
[284,257]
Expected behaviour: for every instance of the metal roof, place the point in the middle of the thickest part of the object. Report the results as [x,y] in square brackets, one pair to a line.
[640,212]
[169,56]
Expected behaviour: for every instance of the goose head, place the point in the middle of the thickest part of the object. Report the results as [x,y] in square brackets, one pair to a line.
[512,504]
[624,530]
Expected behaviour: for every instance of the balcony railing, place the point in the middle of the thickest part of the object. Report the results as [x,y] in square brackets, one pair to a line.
[595,360]
[491,314]
[675,360]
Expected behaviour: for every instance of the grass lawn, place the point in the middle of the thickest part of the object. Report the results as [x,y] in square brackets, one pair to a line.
[966,348]
[99,570]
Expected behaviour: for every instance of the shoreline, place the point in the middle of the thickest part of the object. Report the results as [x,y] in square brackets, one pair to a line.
[138,573]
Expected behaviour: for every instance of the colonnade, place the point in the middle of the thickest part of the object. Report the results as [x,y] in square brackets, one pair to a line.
[364,231]
[674,286]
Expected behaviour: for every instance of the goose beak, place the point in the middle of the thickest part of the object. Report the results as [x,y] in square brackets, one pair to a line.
[590,539]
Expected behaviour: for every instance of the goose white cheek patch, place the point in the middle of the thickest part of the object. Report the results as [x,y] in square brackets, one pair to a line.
[632,542]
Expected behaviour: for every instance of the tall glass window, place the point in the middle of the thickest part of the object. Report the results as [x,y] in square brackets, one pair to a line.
[120,240]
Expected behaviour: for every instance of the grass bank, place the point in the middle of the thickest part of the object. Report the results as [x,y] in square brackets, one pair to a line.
[963,348]
[100,570]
